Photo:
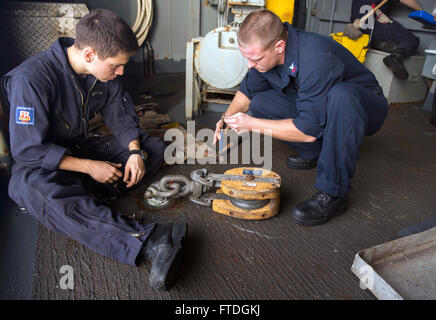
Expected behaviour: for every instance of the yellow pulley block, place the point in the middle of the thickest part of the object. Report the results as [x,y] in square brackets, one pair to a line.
[255,196]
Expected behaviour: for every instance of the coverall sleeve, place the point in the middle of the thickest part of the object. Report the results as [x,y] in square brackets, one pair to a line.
[29,124]
[119,114]
[316,78]
[253,82]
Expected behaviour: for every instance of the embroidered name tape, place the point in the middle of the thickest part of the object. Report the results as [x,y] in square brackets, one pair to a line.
[95,93]
[25,116]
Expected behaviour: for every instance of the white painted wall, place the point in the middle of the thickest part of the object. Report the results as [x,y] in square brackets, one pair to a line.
[175,22]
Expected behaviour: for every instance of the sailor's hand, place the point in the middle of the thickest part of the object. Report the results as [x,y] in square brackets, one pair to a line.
[104,171]
[134,170]
[240,122]
[217,135]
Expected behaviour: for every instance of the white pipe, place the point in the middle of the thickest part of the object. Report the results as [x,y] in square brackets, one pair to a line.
[144,18]
[146,22]
[138,12]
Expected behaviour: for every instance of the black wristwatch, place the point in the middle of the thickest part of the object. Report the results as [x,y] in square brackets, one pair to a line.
[141,152]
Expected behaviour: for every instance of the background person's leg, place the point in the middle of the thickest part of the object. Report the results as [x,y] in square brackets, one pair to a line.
[406,45]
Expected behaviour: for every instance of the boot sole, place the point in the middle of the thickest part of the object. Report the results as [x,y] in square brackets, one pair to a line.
[317,222]
[399,74]
[169,273]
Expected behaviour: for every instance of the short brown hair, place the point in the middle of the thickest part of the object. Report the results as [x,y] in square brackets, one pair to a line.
[107,33]
[262,26]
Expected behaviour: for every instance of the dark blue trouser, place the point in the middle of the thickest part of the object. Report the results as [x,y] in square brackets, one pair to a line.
[352,111]
[59,200]
[395,32]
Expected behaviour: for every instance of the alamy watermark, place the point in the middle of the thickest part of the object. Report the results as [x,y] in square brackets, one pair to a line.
[67,280]
[206,153]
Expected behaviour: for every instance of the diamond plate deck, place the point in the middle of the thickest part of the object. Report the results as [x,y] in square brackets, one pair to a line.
[27,28]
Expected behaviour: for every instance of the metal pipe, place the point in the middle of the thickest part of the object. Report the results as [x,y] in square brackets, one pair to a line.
[331,16]
[308,12]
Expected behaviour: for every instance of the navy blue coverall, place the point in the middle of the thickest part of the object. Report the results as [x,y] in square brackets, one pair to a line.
[329,94]
[395,32]
[50,107]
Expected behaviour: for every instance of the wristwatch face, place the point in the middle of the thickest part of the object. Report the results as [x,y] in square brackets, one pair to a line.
[144,155]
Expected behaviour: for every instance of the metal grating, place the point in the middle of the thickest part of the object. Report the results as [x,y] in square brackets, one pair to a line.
[27,28]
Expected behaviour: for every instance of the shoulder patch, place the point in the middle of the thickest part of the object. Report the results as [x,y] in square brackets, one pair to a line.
[25,115]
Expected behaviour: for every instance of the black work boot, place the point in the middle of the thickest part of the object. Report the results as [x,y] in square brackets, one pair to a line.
[394,61]
[301,164]
[319,209]
[164,247]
